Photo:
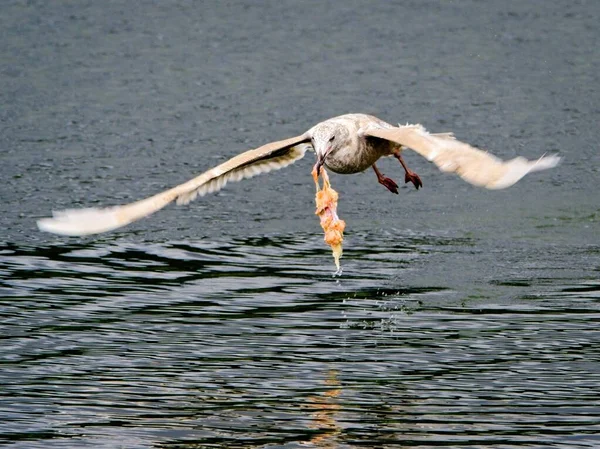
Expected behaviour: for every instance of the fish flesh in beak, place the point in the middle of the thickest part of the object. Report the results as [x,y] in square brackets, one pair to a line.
[320,162]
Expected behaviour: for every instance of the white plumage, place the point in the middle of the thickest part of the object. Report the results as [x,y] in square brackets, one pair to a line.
[346,144]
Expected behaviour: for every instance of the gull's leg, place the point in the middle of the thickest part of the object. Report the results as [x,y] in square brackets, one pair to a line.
[387,182]
[410,175]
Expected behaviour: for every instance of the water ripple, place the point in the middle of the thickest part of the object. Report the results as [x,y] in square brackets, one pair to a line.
[253,342]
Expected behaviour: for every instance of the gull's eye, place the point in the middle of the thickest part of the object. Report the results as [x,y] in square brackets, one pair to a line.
[331,138]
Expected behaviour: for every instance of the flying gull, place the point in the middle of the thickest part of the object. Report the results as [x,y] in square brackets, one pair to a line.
[346,144]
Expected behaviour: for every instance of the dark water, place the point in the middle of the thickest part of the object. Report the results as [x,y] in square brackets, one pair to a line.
[464,318]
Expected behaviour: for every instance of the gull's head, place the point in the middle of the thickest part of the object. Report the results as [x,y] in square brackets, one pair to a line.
[325,138]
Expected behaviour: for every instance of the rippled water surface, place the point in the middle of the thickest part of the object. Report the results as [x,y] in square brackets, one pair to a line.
[250,342]
[463,318]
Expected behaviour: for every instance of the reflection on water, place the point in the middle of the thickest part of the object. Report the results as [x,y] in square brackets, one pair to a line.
[324,416]
[253,343]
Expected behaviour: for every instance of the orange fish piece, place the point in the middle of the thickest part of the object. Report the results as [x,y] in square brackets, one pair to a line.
[327,199]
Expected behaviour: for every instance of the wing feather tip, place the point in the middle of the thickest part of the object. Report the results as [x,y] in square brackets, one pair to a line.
[79,222]
[546,162]
[521,167]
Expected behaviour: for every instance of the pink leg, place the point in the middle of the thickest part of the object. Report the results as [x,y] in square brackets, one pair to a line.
[410,175]
[387,182]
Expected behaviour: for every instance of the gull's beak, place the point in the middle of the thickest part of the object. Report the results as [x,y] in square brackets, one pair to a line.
[321,156]
[320,162]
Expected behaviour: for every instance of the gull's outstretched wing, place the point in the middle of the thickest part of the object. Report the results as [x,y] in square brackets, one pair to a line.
[475,166]
[272,156]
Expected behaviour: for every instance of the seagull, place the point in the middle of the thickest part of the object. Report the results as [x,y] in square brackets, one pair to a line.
[346,144]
